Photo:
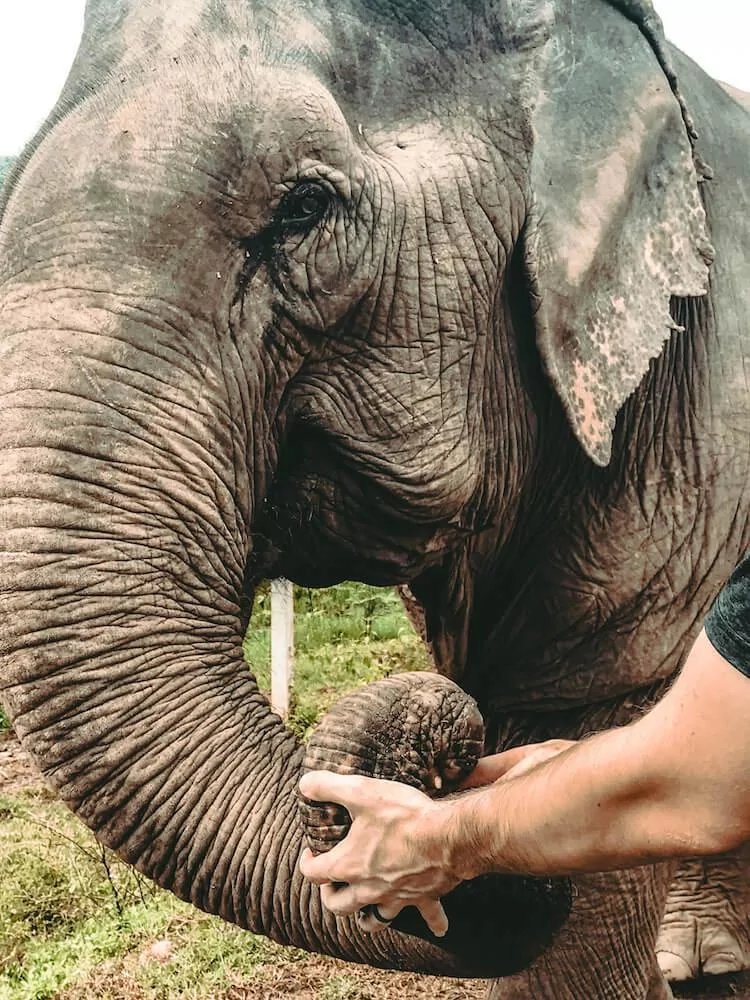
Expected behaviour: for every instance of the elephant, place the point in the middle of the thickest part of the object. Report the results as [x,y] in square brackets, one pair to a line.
[443,295]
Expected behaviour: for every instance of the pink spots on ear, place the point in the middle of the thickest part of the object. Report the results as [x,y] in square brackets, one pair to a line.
[586,402]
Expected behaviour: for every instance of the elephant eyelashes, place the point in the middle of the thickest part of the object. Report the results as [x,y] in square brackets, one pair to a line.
[303,207]
[299,211]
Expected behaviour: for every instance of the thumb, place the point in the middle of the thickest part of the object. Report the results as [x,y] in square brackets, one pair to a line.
[539,755]
[514,762]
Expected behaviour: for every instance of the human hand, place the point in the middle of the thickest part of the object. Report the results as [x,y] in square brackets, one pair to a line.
[513,763]
[395,853]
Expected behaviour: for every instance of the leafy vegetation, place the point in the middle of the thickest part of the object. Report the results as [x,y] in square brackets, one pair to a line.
[72,914]
[77,924]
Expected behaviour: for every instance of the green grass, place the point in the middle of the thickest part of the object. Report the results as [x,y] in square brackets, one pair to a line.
[77,924]
[344,636]
[96,921]
[65,903]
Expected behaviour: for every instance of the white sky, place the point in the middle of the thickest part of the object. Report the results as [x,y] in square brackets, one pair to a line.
[38,39]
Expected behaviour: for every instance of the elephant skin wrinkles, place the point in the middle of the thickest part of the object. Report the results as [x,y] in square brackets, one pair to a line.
[426,294]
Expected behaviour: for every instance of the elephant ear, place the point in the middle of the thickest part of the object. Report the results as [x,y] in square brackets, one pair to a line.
[618,225]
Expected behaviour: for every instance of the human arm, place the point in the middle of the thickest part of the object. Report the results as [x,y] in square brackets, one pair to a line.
[674,783]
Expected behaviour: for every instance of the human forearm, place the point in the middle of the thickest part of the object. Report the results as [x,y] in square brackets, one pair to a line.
[587,809]
[675,783]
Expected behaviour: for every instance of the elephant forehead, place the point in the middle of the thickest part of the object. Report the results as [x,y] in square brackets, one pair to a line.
[165,140]
[269,114]
[258,32]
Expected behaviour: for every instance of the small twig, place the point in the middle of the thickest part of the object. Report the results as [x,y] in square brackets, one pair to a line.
[113,887]
[140,881]
[100,858]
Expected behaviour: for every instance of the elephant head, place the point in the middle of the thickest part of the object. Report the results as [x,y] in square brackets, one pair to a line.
[298,288]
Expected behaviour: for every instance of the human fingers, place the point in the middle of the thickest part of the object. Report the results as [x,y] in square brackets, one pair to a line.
[310,868]
[344,900]
[350,790]
[375,917]
[433,915]
[316,868]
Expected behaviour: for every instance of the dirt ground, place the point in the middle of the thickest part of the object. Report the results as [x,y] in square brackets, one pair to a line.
[309,979]
[16,769]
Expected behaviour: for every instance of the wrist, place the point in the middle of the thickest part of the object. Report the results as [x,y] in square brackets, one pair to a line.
[468,841]
[432,833]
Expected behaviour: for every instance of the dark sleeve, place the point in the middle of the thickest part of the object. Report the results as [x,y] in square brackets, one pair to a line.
[728,622]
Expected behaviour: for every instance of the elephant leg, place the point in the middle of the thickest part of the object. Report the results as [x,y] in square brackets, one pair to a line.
[605,951]
[706,926]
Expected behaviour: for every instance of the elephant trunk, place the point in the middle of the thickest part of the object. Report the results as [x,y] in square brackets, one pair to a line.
[125,540]
[121,569]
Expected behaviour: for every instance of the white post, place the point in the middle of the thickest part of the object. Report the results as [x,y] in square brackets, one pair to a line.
[282,645]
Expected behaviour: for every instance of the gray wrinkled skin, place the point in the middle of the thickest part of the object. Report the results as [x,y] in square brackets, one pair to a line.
[445,295]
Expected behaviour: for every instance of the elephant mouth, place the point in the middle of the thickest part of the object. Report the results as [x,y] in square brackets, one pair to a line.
[324,535]
[327,518]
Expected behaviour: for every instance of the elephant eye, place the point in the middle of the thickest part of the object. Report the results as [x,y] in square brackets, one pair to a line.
[304,206]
